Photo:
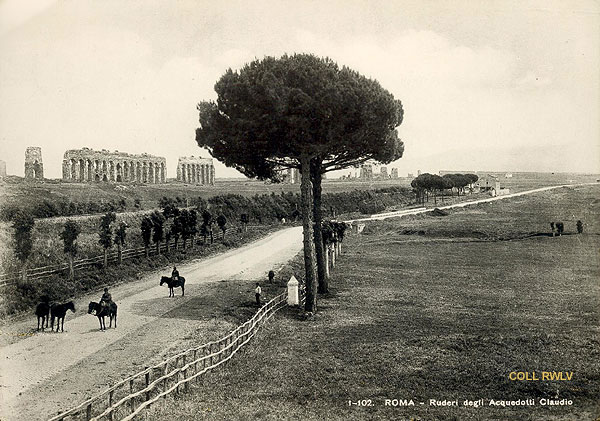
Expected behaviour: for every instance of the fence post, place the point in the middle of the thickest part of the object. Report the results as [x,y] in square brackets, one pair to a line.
[88,412]
[131,391]
[165,379]
[185,385]
[195,362]
[177,378]
[147,377]
[110,404]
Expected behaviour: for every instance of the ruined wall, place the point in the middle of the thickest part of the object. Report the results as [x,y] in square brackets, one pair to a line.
[88,165]
[34,168]
[195,170]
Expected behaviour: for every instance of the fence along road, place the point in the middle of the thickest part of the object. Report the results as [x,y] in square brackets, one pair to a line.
[35,359]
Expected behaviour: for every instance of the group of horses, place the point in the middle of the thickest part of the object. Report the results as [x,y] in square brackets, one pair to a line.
[46,312]
[49,312]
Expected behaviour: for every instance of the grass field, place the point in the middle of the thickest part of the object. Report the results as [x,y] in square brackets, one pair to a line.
[441,308]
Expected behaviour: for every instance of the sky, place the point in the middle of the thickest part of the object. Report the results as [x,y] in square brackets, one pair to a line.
[485,85]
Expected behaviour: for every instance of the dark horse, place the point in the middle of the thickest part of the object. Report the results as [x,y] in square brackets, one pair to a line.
[103,311]
[42,311]
[59,311]
[173,284]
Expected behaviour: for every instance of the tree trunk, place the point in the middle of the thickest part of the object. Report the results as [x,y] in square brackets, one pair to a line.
[310,304]
[119,253]
[105,258]
[184,243]
[322,270]
[24,271]
[71,269]
[326,259]
[332,249]
[158,248]
[146,249]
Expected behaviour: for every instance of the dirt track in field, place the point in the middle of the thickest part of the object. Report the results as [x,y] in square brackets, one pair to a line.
[43,373]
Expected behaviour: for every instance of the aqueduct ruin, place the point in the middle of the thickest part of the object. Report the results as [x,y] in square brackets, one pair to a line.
[88,165]
[195,170]
[34,168]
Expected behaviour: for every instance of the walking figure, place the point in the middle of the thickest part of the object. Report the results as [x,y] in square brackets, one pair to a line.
[258,291]
[579,227]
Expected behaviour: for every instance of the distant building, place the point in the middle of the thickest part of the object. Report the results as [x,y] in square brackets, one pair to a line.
[394,172]
[34,168]
[418,173]
[195,170]
[410,175]
[383,173]
[87,165]
[2,168]
[366,171]
[488,183]
[291,175]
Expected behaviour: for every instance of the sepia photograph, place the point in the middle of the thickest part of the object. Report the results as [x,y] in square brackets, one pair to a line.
[299,210]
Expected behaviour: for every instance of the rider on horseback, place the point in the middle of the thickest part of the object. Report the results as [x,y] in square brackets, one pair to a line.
[175,274]
[106,298]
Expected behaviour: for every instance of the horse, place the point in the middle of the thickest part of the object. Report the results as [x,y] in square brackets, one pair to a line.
[173,284]
[42,311]
[59,311]
[103,311]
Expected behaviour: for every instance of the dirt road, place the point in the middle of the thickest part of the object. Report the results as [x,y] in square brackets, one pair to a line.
[46,372]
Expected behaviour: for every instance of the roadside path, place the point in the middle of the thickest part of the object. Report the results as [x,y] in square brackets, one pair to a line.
[36,359]
[416,211]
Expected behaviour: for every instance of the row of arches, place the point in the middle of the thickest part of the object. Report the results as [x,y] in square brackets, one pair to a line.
[196,173]
[97,170]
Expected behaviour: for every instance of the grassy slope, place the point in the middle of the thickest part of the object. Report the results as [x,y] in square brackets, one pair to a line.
[446,314]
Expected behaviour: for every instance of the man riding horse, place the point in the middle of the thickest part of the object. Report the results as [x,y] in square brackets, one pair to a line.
[175,274]
[106,298]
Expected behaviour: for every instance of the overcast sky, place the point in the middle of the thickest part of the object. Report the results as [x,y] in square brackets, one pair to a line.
[485,85]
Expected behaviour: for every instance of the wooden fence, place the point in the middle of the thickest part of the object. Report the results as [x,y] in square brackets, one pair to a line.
[131,396]
[112,256]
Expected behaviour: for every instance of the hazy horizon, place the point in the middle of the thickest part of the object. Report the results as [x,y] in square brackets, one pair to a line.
[502,85]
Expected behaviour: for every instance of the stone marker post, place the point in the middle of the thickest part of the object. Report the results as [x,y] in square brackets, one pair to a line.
[293,292]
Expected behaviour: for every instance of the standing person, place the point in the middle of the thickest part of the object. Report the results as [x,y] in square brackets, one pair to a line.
[579,227]
[175,274]
[271,276]
[258,291]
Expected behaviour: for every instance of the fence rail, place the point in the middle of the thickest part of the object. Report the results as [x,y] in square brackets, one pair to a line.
[112,256]
[127,398]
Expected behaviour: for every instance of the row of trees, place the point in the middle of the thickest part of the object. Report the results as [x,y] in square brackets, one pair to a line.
[300,112]
[172,222]
[430,184]
[48,208]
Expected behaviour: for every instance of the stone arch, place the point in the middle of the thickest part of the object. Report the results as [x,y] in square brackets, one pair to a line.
[74,175]
[90,172]
[138,171]
[162,172]
[119,173]
[125,171]
[150,172]
[111,170]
